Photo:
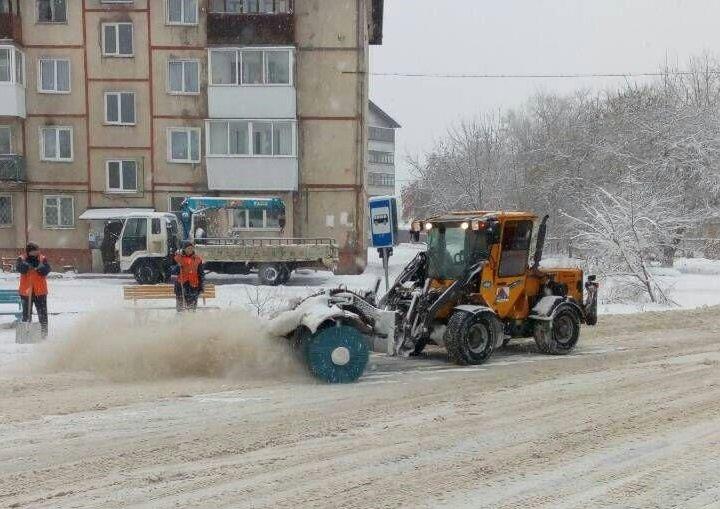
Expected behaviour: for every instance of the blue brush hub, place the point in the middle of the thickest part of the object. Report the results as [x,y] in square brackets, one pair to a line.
[337,355]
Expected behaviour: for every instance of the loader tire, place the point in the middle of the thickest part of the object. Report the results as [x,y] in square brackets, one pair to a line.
[337,355]
[470,339]
[560,335]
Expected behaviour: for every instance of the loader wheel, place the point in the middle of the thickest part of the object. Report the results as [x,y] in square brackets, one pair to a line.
[470,339]
[337,354]
[559,336]
[270,274]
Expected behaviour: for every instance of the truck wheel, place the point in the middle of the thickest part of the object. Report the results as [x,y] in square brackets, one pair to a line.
[270,274]
[147,273]
[559,336]
[470,339]
[337,354]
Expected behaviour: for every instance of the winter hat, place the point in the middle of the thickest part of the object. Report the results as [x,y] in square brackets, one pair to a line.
[185,244]
[31,246]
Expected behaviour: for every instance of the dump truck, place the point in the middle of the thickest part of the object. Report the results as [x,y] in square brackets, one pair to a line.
[473,290]
[149,239]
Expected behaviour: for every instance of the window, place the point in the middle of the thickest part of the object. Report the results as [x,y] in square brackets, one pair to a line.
[11,65]
[134,236]
[54,76]
[116,1]
[122,176]
[117,39]
[184,145]
[6,212]
[120,108]
[251,138]
[182,12]
[184,76]
[382,134]
[382,157]
[58,212]
[175,203]
[247,219]
[251,6]
[251,67]
[5,140]
[56,144]
[382,179]
[51,11]
[515,248]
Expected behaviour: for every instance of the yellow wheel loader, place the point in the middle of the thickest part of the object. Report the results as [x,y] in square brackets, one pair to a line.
[476,288]
[472,291]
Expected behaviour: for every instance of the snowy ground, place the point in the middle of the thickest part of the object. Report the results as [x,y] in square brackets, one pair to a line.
[630,419]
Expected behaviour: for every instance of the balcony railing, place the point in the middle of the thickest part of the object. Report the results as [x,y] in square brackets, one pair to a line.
[10,27]
[251,22]
[12,167]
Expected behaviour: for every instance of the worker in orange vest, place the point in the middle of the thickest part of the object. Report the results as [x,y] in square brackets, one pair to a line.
[190,275]
[34,268]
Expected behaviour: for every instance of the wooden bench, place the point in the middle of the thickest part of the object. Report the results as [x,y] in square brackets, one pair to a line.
[136,293]
[11,297]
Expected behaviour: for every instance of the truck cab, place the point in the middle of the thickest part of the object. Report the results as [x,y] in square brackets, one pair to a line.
[146,244]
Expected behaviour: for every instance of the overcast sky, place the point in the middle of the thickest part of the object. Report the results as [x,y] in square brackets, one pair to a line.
[522,36]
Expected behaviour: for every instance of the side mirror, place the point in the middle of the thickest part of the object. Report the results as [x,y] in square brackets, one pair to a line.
[493,233]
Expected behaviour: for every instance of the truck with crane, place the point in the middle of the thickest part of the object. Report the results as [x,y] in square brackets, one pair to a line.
[149,239]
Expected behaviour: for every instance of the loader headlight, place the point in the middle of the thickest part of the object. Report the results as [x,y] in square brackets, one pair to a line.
[465,225]
[428,226]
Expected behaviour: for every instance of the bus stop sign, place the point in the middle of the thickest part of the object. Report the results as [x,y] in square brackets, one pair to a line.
[383,222]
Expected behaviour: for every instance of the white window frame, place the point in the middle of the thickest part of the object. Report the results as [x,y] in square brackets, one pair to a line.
[238,64]
[264,227]
[117,53]
[37,15]
[57,129]
[10,137]
[250,153]
[121,189]
[57,197]
[12,212]
[55,61]
[183,61]
[116,1]
[13,63]
[188,131]
[119,121]
[182,15]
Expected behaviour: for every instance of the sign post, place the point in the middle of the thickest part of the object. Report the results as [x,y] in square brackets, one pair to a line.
[384,229]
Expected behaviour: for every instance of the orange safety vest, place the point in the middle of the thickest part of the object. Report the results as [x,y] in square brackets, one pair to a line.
[31,279]
[189,269]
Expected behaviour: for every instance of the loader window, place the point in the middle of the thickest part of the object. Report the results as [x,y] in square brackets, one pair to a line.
[515,248]
[451,250]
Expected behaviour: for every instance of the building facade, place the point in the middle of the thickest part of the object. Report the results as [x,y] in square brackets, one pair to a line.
[380,180]
[136,104]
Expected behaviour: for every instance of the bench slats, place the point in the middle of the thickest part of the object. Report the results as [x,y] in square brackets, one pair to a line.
[159,292]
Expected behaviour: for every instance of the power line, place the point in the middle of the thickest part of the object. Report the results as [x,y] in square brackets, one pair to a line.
[533,76]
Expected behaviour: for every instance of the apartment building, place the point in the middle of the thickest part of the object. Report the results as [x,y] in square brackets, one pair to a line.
[381,152]
[108,106]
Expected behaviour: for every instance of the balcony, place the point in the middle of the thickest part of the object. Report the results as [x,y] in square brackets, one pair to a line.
[252,102]
[252,173]
[12,168]
[10,27]
[251,22]
[12,79]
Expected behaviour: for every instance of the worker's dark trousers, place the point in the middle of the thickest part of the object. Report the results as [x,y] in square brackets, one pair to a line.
[40,302]
[186,297]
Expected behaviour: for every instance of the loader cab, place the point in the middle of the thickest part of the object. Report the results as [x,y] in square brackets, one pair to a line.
[456,245]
